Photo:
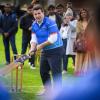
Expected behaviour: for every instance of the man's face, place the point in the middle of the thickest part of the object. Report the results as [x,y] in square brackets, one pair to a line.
[38,15]
[51,11]
[60,10]
[7,9]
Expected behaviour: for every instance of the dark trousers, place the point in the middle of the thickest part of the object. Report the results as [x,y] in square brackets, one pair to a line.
[73,58]
[25,42]
[6,41]
[64,55]
[51,61]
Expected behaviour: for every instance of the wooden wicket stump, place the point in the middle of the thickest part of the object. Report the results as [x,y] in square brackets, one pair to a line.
[16,79]
[13,68]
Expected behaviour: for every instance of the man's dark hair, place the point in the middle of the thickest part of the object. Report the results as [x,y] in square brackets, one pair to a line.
[51,7]
[37,7]
[30,7]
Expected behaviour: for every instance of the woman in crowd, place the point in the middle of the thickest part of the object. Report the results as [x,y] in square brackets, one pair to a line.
[68,33]
[81,27]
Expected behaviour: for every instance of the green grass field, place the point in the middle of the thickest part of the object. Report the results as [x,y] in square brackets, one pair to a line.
[31,78]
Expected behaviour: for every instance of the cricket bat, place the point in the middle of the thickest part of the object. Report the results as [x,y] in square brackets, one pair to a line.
[8,68]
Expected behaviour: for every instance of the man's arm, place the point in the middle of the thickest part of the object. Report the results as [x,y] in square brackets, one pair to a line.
[51,39]
[42,45]
[33,46]
[33,42]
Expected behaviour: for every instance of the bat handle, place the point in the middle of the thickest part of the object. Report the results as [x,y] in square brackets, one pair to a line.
[32,52]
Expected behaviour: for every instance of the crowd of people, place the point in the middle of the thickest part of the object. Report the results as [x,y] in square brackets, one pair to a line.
[54,32]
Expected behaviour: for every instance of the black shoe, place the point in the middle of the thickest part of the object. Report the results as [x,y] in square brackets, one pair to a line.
[32,66]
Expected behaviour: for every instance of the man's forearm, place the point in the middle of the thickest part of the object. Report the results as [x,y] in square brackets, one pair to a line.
[33,46]
[42,45]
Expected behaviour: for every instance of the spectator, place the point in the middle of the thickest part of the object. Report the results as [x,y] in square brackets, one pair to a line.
[25,24]
[8,28]
[81,26]
[69,5]
[54,16]
[64,34]
[60,10]
[71,38]
[69,8]
[46,37]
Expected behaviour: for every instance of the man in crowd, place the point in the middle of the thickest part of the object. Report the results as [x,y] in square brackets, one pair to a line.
[54,16]
[8,28]
[25,24]
[60,10]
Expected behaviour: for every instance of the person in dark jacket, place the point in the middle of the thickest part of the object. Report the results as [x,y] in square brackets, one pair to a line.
[8,28]
[60,10]
[25,24]
[54,16]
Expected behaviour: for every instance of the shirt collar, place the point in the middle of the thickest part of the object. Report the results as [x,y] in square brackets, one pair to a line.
[41,22]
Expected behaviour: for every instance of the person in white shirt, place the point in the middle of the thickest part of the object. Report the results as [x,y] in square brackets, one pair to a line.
[71,38]
[68,35]
[64,34]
